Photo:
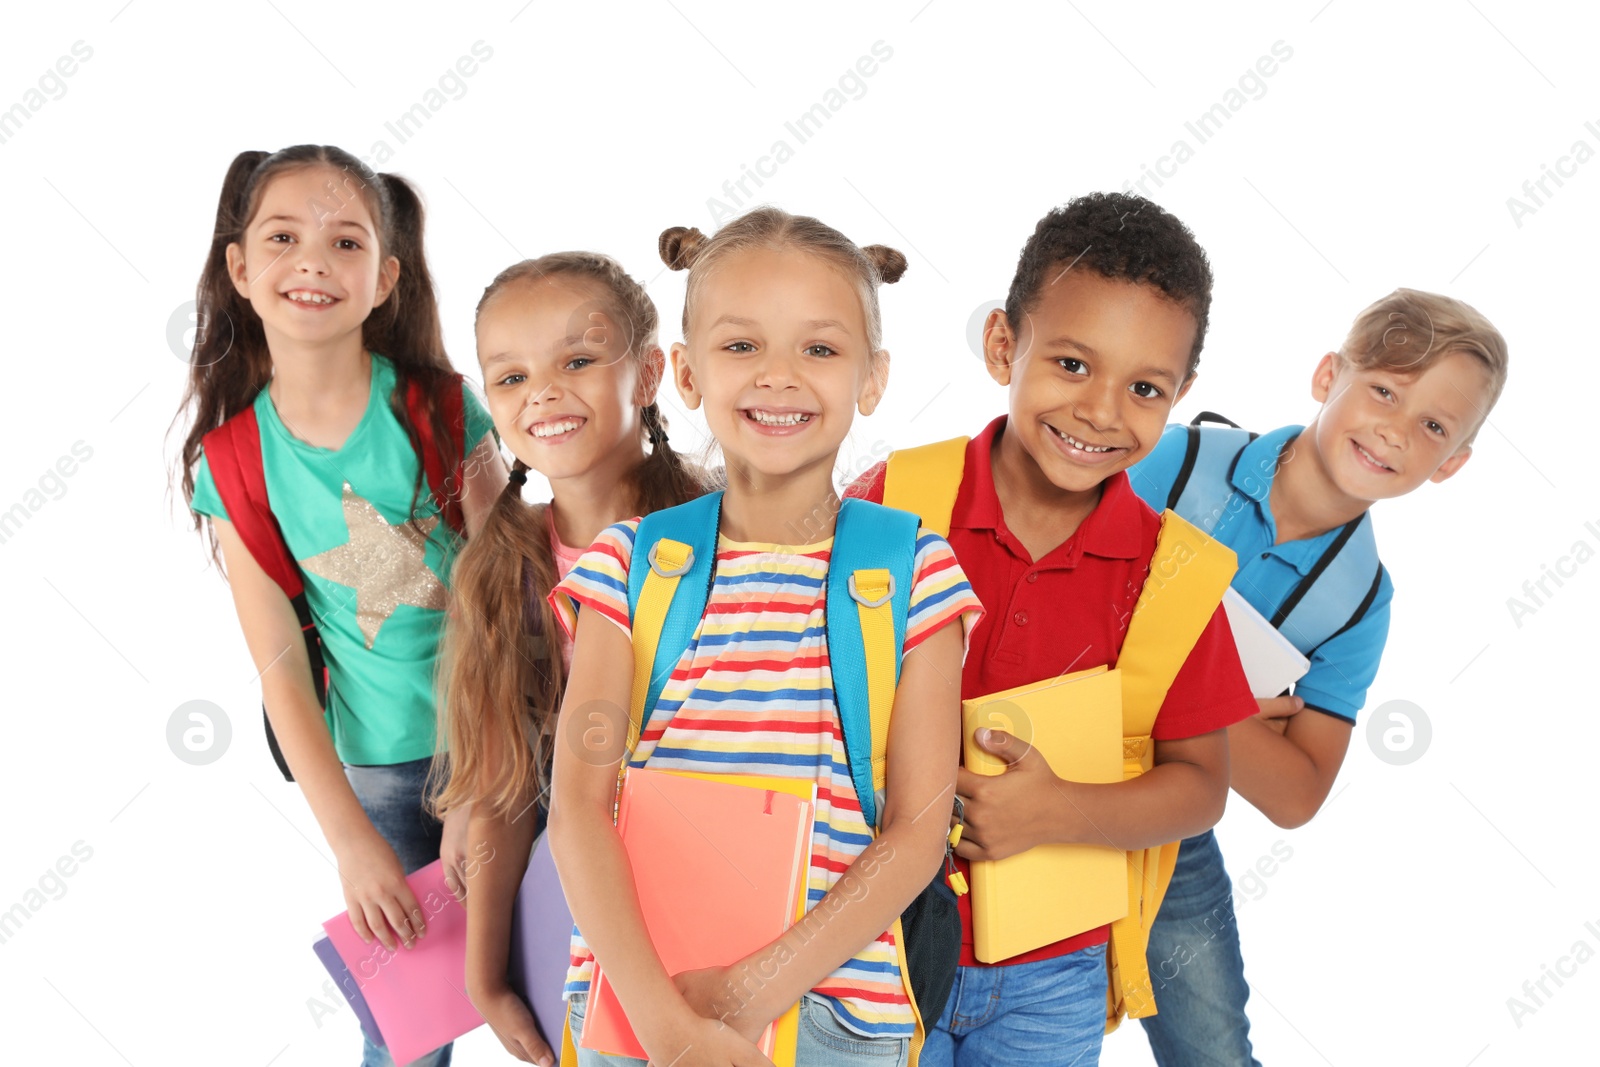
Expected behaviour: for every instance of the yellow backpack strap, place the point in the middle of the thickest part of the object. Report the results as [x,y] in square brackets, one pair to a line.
[873,590]
[669,560]
[568,1056]
[1189,572]
[925,480]
[919,1036]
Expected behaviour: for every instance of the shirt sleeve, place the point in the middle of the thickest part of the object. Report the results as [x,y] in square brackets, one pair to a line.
[870,485]
[1343,667]
[206,500]
[1154,475]
[940,593]
[599,580]
[1211,691]
[476,418]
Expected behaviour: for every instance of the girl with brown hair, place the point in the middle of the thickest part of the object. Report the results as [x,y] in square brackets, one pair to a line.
[571,366]
[320,340]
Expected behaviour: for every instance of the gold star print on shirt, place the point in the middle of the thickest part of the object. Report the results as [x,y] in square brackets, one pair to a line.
[384,564]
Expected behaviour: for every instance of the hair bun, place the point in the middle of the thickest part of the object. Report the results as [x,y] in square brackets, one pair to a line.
[680,246]
[891,262]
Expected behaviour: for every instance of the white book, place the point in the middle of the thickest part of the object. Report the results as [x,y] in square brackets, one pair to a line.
[1270,661]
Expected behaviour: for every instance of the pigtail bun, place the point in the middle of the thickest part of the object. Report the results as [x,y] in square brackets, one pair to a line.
[890,262]
[680,246]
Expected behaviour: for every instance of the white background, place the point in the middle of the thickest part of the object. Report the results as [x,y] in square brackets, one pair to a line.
[1382,153]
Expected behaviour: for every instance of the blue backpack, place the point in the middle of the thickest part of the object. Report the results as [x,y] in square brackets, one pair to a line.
[1349,572]
[870,573]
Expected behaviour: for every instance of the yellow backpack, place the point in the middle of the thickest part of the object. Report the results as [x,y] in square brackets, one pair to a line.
[1189,572]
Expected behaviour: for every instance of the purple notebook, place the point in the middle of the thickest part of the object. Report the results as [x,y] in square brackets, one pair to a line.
[541,942]
[348,986]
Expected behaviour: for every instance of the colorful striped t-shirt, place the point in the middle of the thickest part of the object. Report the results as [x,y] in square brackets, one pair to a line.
[753,694]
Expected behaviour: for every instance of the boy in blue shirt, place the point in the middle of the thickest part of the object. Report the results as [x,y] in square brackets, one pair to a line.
[1401,402]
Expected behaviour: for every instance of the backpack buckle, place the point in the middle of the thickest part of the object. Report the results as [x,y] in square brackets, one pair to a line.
[866,601]
[670,568]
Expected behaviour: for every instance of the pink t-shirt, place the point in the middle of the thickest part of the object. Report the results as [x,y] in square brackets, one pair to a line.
[566,557]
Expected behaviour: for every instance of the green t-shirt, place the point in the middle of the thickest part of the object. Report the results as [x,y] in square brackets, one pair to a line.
[376,587]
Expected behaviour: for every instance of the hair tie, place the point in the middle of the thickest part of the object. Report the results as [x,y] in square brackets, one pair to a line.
[657,437]
[519,476]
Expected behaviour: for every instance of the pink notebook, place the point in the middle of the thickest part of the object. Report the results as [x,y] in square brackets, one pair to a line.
[418,995]
[720,866]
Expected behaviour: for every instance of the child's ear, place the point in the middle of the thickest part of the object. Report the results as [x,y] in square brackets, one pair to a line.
[999,346]
[683,376]
[877,381]
[1322,377]
[388,276]
[236,271]
[651,367]
[1448,468]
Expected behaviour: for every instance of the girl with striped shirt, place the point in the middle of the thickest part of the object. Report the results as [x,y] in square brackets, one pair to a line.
[782,345]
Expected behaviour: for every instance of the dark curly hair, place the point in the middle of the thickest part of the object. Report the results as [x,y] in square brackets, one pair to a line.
[1117,235]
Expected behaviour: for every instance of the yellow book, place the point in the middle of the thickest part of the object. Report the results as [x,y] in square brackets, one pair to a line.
[1051,892]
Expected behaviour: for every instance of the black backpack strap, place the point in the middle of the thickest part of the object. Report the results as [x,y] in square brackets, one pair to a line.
[1191,452]
[1293,599]
[1360,612]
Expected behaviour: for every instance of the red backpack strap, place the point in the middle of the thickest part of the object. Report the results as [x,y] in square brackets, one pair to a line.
[441,481]
[233,452]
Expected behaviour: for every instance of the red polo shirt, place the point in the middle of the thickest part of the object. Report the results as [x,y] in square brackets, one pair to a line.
[1067,612]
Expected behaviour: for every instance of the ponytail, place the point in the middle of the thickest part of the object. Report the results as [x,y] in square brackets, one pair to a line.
[501,667]
[229,362]
[665,479]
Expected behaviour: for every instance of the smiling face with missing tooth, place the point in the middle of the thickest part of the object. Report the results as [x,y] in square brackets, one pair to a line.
[1093,374]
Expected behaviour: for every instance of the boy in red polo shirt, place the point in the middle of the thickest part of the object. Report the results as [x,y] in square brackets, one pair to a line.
[1100,336]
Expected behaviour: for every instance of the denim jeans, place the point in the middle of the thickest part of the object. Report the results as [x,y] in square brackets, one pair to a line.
[1046,1014]
[392,798]
[823,1042]
[1196,967]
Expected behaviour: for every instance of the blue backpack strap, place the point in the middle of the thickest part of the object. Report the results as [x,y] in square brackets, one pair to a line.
[695,524]
[866,536]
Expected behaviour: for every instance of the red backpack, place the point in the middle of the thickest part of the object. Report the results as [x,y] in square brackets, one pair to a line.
[233,452]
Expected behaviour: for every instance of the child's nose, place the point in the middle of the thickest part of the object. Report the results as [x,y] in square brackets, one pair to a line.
[310,260]
[1098,406]
[546,393]
[776,371]
[1391,433]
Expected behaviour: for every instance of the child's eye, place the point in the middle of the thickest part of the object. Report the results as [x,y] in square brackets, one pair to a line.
[1144,390]
[578,362]
[1434,427]
[819,350]
[348,244]
[1072,366]
[740,346]
[1383,392]
[274,238]
[512,379]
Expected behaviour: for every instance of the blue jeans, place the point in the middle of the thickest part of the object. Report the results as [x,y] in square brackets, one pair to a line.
[823,1042]
[1196,967]
[1046,1014]
[392,798]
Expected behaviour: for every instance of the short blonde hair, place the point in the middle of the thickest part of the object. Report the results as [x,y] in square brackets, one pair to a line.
[1409,331]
